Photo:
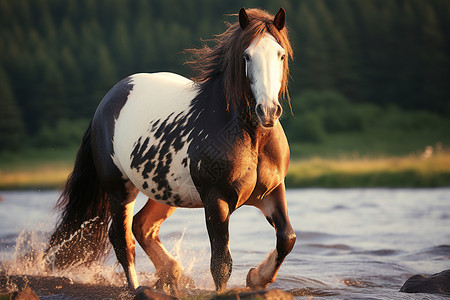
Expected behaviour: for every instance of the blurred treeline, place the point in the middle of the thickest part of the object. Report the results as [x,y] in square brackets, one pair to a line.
[358,64]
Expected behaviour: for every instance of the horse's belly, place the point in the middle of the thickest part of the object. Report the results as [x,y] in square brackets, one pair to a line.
[151,139]
[169,182]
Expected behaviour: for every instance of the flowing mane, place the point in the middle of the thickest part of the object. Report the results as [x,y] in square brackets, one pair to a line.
[226,56]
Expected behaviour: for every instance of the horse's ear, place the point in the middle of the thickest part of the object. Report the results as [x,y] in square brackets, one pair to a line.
[244,20]
[280,19]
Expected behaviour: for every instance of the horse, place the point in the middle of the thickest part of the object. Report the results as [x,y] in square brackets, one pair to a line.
[213,142]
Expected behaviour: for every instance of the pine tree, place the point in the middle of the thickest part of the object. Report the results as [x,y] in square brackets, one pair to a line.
[313,59]
[121,48]
[436,62]
[409,79]
[11,123]
[348,58]
[105,75]
[67,36]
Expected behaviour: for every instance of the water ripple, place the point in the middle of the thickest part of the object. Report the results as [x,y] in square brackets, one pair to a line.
[312,292]
[380,252]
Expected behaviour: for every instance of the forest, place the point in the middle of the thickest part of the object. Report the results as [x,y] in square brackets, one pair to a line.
[358,65]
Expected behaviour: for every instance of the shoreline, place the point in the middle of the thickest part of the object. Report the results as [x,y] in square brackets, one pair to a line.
[411,171]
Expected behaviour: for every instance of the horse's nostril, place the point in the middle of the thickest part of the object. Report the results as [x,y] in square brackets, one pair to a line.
[259,110]
[278,111]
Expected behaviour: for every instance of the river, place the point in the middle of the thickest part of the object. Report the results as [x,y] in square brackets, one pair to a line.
[351,243]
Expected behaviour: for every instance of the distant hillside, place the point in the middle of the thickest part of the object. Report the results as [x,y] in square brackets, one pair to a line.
[58,58]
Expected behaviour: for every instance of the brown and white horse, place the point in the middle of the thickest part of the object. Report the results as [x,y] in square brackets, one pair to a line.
[214,142]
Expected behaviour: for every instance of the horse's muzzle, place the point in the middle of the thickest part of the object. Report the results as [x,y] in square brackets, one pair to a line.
[268,115]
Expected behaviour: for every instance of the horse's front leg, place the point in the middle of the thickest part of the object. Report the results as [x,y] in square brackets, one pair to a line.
[274,208]
[217,216]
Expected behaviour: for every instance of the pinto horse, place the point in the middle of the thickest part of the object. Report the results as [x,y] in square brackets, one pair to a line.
[214,142]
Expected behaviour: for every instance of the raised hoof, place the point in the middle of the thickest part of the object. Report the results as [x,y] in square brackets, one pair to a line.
[249,282]
[254,281]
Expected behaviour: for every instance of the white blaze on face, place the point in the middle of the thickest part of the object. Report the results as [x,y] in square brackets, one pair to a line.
[264,68]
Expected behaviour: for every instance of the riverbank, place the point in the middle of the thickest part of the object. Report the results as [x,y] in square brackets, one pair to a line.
[414,170]
[50,169]
[36,169]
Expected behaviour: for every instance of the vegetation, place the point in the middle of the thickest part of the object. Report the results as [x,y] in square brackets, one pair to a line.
[408,171]
[369,77]
[327,124]
[58,58]
[35,168]
[431,168]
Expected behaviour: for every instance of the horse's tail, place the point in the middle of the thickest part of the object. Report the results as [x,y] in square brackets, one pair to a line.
[81,234]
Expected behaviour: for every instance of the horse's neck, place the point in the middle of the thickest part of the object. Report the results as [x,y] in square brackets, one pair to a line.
[213,99]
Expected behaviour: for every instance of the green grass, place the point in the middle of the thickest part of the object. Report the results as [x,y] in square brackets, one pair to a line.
[377,157]
[408,171]
[35,158]
[36,168]
[373,143]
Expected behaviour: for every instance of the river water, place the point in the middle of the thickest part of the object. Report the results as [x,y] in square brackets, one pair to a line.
[351,244]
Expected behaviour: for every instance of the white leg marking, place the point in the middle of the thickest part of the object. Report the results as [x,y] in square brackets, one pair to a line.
[265,273]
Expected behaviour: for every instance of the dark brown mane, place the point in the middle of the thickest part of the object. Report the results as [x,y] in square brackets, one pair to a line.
[226,56]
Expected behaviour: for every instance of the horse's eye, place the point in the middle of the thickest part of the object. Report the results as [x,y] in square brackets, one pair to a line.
[283,57]
[246,56]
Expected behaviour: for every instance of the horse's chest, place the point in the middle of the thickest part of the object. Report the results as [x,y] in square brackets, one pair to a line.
[270,174]
[273,160]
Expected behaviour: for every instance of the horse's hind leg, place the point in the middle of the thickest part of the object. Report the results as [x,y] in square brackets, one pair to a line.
[146,225]
[120,232]
[274,208]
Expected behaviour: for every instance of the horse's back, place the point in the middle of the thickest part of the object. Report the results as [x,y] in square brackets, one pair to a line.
[159,93]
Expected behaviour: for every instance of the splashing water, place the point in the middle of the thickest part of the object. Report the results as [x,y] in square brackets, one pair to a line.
[29,258]
[192,260]
[23,254]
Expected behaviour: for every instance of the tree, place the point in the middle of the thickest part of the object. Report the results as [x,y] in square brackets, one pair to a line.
[314,65]
[106,75]
[121,48]
[61,57]
[436,62]
[11,123]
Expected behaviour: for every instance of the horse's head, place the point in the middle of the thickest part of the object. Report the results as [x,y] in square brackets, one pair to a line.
[252,55]
[265,66]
